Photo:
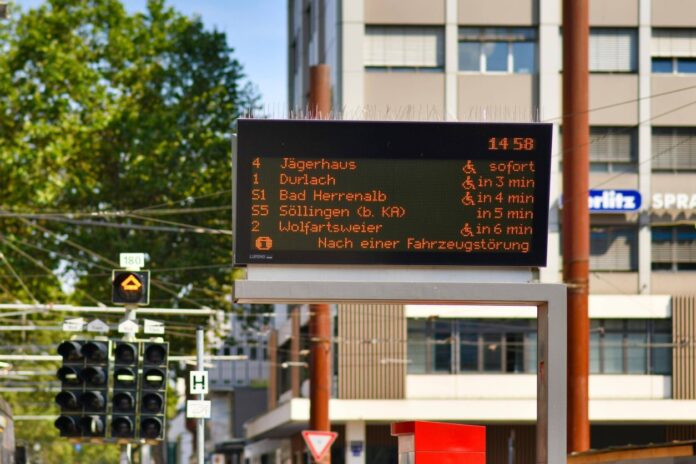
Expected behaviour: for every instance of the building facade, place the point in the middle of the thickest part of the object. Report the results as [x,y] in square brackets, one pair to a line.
[501,60]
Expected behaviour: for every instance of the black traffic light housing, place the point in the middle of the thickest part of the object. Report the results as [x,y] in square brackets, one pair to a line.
[125,389]
[153,391]
[130,287]
[84,377]
[71,388]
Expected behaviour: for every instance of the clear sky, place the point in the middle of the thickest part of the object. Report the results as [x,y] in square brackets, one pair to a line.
[256,29]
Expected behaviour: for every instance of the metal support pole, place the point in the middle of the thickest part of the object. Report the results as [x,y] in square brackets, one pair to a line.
[200,426]
[320,314]
[320,371]
[576,218]
[319,92]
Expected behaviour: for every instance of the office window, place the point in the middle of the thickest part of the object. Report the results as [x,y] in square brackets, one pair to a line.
[674,248]
[613,50]
[631,346]
[673,149]
[613,248]
[450,346]
[498,50]
[673,51]
[404,48]
[613,149]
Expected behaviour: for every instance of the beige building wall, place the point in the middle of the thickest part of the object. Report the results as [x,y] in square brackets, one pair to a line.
[613,99]
[673,13]
[667,109]
[612,283]
[404,11]
[620,13]
[498,12]
[601,180]
[505,97]
[404,95]
[673,283]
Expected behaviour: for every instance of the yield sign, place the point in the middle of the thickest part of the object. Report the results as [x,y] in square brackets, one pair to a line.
[319,442]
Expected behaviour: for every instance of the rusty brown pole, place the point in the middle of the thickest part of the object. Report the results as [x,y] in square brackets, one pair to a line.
[319,92]
[576,217]
[320,314]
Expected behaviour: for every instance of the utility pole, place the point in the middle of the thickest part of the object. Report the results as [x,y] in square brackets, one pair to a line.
[576,217]
[320,314]
[200,425]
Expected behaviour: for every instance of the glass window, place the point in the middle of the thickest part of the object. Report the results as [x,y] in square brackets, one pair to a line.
[661,347]
[673,248]
[613,347]
[404,47]
[468,352]
[492,352]
[613,248]
[524,57]
[417,349]
[674,149]
[663,65]
[498,50]
[496,56]
[469,56]
[613,50]
[632,346]
[443,347]
[686,65]
[636,344]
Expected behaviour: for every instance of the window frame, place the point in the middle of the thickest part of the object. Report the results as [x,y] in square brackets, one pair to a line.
[488,35]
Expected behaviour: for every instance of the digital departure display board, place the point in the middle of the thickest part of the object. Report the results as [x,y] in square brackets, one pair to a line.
[391,193]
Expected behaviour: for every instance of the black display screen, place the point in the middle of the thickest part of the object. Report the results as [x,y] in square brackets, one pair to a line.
[363,192]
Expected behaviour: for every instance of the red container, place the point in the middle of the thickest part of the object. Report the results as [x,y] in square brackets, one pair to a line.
[440,443]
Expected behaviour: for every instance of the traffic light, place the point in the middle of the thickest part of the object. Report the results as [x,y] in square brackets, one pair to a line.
[153,391]
[95,377]
[84,388]
[130,287]
[125,388]
[69,398]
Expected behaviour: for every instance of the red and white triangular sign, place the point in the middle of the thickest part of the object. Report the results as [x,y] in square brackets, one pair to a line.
[319,442]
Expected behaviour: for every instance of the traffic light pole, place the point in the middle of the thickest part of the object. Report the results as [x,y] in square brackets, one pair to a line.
[130,315]
[200,426]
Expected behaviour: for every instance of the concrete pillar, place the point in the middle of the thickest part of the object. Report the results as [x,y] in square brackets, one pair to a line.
[355,433]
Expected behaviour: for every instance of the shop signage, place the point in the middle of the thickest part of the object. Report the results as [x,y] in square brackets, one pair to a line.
[614,201]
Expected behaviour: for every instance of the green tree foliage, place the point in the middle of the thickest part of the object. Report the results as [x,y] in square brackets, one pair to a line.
[124,121]
[114,137]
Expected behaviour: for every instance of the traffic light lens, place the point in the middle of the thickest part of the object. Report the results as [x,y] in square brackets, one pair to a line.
[70,351]
[66,425]
[94,376]
[129,287]
[123,402]
[154,378]
[125,353]
[68,375]
[92,425]
[67,400]
[155,354]
[122,427]
[152,403]
[94,351]
[93,401]
[150,428]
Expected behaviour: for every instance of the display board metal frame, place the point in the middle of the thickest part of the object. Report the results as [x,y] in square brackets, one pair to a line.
[549,299]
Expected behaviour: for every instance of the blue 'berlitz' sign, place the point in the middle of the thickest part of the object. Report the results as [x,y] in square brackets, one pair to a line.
[614,201]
